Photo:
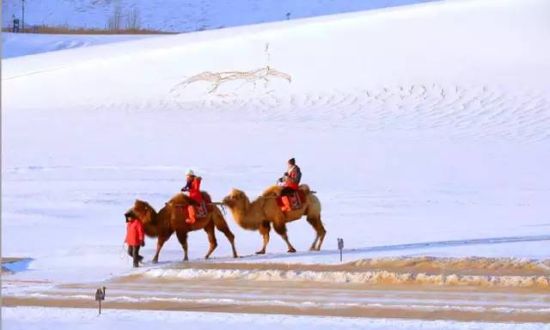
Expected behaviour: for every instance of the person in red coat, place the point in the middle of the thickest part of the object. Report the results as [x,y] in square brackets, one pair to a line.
[135,237]
[291,182]
[193,186]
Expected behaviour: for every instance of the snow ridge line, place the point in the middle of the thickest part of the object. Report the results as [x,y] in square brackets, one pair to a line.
[411,246]
[368,277]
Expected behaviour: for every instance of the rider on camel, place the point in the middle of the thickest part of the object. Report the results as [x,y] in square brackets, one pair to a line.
[291,181]
[193,186]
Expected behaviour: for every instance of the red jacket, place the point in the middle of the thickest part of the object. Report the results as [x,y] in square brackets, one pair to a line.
[134,233]
[194,188]
[292,179]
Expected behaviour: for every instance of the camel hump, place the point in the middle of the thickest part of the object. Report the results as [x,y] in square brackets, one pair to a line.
[179,199]
[272,191]
[140,205]
[305,189]
[206,197]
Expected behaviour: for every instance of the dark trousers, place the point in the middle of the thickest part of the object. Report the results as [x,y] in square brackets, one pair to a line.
[133,251]
[287,191]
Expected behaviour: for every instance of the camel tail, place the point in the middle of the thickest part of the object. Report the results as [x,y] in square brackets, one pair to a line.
[221,223]
[219,219]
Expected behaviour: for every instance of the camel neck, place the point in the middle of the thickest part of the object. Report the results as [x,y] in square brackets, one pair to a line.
[248,215]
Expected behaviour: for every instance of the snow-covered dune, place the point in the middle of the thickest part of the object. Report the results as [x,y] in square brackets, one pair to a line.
[423,129]
[168,16]
[422,124]
[461,52]
[20,44]
[180,15]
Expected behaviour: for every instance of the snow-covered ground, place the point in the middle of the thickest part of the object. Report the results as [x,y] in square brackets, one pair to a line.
[51,318]
[172,16]
[180,15]
[20,44]
[424,129]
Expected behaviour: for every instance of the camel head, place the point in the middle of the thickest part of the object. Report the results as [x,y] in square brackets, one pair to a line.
[236,198]
[141,210]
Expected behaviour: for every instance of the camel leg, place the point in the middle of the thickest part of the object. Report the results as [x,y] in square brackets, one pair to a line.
[222,226]
[182,237]
[280,228]
[160,242]
[321,239]
[209,229]
[313,246]
[264,230]
[320,231]
[230,237]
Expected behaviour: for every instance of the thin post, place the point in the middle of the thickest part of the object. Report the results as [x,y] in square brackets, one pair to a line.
[23,15]
[340,247]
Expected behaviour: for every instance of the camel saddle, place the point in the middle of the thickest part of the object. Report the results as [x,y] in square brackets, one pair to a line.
[202,210]
[297,200]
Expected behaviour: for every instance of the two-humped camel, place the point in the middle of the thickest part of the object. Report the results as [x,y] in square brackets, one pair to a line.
[264,211]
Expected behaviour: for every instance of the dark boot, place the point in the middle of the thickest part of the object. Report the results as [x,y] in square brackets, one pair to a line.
[135,255]
[131,251]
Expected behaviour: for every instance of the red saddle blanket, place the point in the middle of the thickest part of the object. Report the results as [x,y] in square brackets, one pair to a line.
[201,210]
[297,200]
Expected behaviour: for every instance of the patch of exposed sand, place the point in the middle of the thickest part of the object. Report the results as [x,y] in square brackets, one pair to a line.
[385,300]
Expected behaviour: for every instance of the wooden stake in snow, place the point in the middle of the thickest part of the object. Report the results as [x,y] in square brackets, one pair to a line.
[99,296]
[340,247]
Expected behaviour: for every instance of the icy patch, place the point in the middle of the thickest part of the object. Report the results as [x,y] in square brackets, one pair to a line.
[18,265]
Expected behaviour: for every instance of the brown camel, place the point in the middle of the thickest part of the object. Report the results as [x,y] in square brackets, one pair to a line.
[171,218]
[259,214]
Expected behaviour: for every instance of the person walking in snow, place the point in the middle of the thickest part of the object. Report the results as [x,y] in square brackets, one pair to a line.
[135,238]
[193,186]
